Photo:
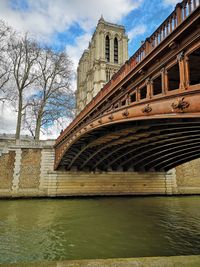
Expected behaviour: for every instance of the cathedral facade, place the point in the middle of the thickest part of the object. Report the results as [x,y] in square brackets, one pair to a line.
[107,51]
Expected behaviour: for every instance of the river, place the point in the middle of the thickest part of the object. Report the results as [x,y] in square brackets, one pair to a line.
[110,227]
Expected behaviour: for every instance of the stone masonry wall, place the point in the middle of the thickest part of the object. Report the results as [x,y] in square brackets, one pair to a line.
[188,177]
[6,170]
[26,170]
[30,167]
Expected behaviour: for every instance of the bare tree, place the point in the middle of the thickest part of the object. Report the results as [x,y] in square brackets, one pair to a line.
[23,54]
[36,81]
[54,98]
[5,33]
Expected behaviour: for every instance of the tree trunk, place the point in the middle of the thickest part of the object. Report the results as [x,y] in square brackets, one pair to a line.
[38,126]
[19,118]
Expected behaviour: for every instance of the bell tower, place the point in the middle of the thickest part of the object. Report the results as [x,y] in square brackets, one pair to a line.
[107,51]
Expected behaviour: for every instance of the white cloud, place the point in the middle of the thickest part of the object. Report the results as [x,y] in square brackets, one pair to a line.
[171,2]
[75,51]
[138,30]
[42,18]
[54,130]
[7,118]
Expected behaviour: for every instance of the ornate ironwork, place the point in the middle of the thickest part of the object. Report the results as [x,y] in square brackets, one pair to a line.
[180,104]
[173,45]
[111,117]
[147,109]
[141,71]
[125,113]
[180,56]
[148,81]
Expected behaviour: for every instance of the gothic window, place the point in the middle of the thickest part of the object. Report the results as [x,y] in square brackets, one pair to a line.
[115,50]
[107,50]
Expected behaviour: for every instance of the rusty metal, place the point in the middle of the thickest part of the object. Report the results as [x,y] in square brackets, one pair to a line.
[147,109]
[111,117]
[125,113]
[180,104]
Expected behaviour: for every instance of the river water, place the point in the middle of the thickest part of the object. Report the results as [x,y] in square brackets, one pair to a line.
[84,228]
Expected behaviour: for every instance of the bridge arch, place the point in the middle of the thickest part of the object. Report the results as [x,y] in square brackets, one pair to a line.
[147,116]
[137,145]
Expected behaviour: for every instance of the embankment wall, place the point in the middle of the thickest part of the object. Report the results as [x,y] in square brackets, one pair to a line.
[26,170]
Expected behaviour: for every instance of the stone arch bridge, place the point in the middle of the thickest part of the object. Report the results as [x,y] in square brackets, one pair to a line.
[147,118]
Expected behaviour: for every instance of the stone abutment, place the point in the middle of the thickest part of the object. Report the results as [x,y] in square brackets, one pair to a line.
[26,170]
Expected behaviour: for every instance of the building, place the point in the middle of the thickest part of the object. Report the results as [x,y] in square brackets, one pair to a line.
[107,51]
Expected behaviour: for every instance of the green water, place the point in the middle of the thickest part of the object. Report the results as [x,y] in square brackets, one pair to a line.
[36,230]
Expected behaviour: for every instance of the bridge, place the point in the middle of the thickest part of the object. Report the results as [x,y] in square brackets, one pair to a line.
[147,117]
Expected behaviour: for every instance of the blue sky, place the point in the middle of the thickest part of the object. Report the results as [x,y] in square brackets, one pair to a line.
[140,22]
[69,24]
[148,17]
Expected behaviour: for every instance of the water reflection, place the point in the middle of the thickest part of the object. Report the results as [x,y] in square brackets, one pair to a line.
[34,230]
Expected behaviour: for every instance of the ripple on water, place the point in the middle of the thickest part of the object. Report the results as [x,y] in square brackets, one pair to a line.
[35,230]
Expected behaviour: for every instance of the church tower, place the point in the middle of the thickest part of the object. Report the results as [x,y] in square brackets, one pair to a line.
[107,51]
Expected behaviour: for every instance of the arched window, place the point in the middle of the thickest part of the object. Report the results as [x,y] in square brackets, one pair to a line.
[115,50]
[107,48]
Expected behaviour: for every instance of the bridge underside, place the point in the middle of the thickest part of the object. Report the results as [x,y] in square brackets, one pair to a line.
[146,145]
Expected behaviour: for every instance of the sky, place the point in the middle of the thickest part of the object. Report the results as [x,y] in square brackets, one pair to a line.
[67,25]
